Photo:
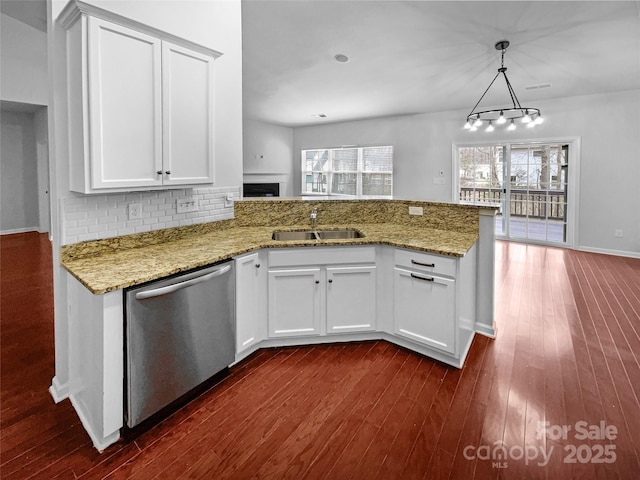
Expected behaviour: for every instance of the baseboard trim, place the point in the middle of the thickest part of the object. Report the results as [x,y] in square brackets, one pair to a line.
[486,330]
[606,251]
[99,442]
[11,231]
[58,391]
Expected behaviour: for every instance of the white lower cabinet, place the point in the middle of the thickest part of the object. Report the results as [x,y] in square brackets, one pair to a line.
[422,301]
[351,299]
[321,291]
[424,309]
[294,302]
[251,287]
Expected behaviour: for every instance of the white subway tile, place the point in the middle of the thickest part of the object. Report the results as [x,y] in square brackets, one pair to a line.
[97,228]
[77,231]
[87,237]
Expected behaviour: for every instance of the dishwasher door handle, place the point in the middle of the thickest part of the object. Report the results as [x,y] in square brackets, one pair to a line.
[156,292]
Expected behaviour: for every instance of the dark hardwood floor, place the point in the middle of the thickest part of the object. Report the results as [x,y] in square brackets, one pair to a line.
[567,351]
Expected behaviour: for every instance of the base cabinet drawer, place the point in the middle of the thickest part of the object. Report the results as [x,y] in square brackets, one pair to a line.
[424,309]
[425,262]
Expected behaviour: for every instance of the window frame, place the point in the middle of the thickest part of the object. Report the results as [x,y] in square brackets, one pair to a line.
[332,172]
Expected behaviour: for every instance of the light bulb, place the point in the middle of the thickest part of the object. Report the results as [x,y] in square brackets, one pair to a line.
[539,120]
[473,128]
[531,124]
[467,125]
[512,126]
[501,119]
[478,122]
[490,127]
[527,117]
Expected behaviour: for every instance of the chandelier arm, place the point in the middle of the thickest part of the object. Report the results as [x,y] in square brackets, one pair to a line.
[485,92]
[514,98]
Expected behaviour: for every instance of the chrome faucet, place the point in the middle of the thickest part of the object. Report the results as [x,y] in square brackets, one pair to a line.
[313,218]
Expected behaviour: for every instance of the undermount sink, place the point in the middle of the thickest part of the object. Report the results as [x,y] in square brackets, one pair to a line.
[337,234]
[294,236]
[317,234]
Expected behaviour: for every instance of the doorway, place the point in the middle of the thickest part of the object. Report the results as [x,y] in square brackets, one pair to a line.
[24,171]
[530,184]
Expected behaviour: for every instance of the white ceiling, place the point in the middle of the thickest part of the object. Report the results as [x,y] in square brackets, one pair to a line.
[31,12]
[418,56]
[427,56]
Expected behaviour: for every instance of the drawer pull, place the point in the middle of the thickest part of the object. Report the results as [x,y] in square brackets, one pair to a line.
[426,279]
[432,265]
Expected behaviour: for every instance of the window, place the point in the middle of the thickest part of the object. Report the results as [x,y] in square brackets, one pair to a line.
[353,171]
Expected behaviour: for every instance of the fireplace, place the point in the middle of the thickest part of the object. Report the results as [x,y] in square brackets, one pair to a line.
[261,189]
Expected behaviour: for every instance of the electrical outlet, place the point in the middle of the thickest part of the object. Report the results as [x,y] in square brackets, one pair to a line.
[228,200]
[135,211]
[416,211]
[186,205]
[619,233]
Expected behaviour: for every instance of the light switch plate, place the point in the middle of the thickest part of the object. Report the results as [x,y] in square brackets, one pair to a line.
[186,205]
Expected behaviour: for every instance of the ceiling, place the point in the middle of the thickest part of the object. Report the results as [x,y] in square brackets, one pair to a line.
[426,56]
[31,12]
[419,56]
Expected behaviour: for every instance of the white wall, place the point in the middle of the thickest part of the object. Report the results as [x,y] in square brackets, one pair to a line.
[267,152]
[607,124]
[23,76]
[19,211]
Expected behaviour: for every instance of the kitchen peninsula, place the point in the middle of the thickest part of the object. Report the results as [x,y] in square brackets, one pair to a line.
[352,289]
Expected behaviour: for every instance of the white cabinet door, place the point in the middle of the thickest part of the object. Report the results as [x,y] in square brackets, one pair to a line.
[294,302]
[250,302]
[187,78]
[351,299]
[424,310]
[125,98]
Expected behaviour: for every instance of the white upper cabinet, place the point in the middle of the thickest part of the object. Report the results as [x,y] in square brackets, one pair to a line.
[187,77]
[125,107]
[141,105]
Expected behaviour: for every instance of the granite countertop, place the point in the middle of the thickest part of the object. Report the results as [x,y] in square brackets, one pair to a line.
[123,266]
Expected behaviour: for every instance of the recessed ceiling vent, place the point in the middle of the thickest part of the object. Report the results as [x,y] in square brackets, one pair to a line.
[538,86]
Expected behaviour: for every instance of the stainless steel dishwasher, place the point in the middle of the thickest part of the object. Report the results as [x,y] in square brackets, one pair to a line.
[180,332]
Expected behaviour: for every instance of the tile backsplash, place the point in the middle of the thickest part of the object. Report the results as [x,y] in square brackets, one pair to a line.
[94,217]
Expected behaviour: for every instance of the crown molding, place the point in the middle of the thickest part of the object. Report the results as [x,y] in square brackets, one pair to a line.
[74,10]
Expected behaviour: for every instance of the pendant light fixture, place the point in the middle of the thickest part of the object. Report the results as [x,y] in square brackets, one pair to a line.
[501,116]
